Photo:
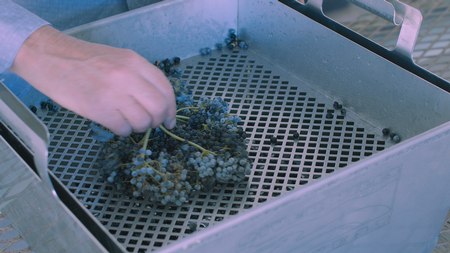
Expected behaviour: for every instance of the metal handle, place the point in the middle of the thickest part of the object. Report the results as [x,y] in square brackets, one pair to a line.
[393,11]
[29,129]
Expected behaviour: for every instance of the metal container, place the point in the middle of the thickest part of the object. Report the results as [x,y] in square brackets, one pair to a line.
[342,187]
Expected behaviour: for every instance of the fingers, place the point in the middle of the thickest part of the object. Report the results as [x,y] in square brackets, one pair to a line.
[136,115]
[160,100]
[140,103]
[115,121]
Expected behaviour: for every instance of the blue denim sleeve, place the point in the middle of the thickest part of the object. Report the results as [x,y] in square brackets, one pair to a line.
[16,24]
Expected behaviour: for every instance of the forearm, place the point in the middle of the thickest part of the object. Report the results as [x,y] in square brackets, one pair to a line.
[115,87]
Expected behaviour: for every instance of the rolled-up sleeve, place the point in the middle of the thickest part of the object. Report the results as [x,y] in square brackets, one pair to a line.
[16,24]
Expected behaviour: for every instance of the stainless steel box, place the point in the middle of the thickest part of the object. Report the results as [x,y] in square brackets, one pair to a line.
[343,187]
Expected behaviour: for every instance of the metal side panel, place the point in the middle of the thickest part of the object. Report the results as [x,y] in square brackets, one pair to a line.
[270,103]
[380,193]
[45,223]
[165,29]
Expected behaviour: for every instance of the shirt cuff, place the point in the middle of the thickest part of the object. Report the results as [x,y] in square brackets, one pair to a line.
[16,24]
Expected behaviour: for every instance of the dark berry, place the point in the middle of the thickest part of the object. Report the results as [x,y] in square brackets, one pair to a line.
[396,138]
[167,69]
[205,51]
[336,105]
[296,135]
[43,104]
[33,109]
[176,60]
[219,46]
[192,226]
[167,63]
[385,131]
[51,106]
[329,116]
[233,36]
[343,111]
[231,46]
[273,140]
[392,135]
[243,45]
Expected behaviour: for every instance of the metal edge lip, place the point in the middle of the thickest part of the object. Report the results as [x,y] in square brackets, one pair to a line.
[95,222]
[123,15]
[58,200]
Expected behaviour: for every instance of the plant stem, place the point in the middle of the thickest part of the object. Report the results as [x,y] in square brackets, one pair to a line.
[147,134]
[184,121]
[181,139]
[182,117]
[185,108]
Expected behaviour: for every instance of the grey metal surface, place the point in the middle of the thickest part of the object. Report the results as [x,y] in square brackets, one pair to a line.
[29,129]
[45,223]
[372,200]
[366,83]
[383,9]
[176,27]
[139,222]
[432,52]
[270,102]
[27,196]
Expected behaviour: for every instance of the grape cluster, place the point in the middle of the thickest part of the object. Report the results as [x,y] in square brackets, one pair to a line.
[205,148]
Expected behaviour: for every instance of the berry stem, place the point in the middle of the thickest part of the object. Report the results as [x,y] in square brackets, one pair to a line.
[182,117]
[184,121]
[185,108]
[132,139]
[181,139]
[147,134]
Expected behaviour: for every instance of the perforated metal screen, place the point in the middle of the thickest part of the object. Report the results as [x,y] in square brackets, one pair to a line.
[270,102]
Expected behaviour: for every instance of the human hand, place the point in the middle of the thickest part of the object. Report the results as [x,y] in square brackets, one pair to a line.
[114,87]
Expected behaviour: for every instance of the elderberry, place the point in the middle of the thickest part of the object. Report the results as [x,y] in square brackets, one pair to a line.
[33,109]
[336,105]
[206,147]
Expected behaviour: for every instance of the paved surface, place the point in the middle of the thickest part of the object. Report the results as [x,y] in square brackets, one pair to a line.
[10,239]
